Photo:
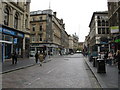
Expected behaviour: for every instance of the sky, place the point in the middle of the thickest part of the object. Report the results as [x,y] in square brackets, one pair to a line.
[76,14]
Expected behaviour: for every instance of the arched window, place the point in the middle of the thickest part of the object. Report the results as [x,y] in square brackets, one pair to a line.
[6,16]
[103,22]
[16,21]
[99,23]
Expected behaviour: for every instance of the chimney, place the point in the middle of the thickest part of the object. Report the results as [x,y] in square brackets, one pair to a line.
[55,13]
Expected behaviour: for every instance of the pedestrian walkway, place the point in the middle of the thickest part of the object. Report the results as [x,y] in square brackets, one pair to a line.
[108,79]
[22,63]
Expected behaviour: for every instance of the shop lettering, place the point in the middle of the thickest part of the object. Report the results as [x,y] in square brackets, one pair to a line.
[8,32]
[0,29]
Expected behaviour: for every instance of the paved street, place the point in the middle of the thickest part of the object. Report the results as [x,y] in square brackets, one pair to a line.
[63,72]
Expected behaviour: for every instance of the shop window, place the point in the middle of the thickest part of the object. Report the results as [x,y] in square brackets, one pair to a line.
[6,16]
[16,21]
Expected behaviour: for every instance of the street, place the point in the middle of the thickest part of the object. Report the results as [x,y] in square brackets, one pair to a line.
[61,72]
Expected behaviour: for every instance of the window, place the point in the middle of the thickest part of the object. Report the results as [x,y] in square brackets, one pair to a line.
[40,18]
[40,37]
[16,21]
[98,17]
[103,23]
[107,30]
[107,24]
[99,23]
[26,23]
[99,30]
[33,19]
[40,28]
[33,28]
[103,30]
[33,38]
[6,17]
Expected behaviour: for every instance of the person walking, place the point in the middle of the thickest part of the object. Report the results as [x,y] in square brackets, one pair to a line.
[41,57]
[15,57]
[118,59]
[36,57]
[110,58]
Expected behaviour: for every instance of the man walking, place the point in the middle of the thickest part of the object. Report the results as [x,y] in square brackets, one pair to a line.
[36,57]
[15,57]
[12,55]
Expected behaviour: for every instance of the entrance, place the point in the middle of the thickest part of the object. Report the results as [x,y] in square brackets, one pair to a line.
[8,50]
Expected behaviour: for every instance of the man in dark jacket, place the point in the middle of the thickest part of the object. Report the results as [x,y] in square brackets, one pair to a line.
[15,57]
[36,57]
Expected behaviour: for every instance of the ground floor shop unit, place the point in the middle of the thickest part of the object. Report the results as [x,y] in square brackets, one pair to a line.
[48,48]
[12,41]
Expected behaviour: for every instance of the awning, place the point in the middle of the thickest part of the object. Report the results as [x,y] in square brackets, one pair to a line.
[2,41]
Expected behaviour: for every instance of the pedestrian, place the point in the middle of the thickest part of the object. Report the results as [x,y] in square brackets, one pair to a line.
[106,56]
[41,57]
[15,57]
[110,58]
[44,55]
[36,57]
[118,59]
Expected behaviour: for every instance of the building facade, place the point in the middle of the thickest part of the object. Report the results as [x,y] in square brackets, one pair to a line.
[99,33]
[14,26]
[47,32]
[80,46]
[73,43]
[114,24]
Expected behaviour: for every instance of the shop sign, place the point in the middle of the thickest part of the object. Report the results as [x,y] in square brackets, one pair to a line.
[117,40]
[114,29]
[6,31]
[10,32]
[0,29]
[20,35]
[15,40]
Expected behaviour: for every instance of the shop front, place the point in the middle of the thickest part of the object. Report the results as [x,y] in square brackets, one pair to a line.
[117,43]
[12,40]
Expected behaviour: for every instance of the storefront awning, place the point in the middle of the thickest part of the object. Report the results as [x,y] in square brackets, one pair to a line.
[2,41]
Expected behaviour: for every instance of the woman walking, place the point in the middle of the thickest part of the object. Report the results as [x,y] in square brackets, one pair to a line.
[41,57]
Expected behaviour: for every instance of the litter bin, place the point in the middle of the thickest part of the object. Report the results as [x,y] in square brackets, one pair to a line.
[90,58]
[101,66]
[94,61]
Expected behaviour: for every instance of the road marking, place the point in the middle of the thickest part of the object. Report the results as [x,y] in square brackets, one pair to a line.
[50,71]
[33,81]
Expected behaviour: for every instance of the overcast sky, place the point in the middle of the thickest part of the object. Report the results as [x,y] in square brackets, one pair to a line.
[75,13]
